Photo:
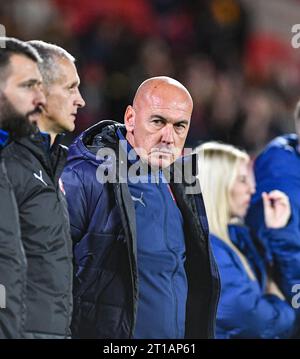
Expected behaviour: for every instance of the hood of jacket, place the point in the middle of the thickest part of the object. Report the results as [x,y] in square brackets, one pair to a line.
[102,134]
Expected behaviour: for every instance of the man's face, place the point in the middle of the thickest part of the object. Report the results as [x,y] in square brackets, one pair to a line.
[22,88]
[63,98]
[158,124]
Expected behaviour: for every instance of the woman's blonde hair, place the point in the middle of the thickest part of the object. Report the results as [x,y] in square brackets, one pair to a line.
[217,170]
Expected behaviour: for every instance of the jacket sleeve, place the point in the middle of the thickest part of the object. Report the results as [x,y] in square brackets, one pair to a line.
[284,244]
[270,176]
[244,310]
[77,202]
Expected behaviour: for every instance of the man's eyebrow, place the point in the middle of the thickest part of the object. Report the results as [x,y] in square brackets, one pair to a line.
[74,84]
[159,118]
[186,122]
[31,82]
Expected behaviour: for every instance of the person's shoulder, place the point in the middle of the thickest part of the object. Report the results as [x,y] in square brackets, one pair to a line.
[14,152]
[82,172]
[230,267]
[221,250]
[285,144]
[81,166]
[277,154]
[11,146]
[19,165]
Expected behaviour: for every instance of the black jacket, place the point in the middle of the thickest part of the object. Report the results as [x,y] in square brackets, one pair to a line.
[12,262]
[34,173]
[104,234]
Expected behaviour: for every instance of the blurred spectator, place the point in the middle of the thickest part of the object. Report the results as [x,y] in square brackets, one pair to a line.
[240,80]
[251,304]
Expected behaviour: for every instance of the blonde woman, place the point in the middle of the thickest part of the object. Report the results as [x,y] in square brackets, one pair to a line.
[251,305]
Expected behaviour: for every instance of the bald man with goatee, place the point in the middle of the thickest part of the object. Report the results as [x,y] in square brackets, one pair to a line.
[143,264]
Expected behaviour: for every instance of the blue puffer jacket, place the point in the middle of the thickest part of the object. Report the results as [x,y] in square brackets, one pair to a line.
[278,167]
[102,216]
[244,310]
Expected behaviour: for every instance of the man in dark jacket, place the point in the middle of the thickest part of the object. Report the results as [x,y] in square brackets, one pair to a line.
[34,166]
[20,97]
[144,268]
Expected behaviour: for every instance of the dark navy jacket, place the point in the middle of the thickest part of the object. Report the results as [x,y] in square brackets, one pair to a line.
[102,216]
[278,167]
[244,310]
[13,263]
[44,231]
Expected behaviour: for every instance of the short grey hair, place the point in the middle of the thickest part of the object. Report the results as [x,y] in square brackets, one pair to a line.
[50,53]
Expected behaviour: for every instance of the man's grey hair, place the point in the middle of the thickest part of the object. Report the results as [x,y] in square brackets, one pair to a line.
[50,53]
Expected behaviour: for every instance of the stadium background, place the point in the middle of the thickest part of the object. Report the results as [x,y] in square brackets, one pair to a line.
[235,57]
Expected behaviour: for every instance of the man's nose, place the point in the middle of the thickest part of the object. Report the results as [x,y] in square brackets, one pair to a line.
[79,100]
[39,97]
[167,134]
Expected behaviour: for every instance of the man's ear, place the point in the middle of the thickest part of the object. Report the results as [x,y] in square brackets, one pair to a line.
[129,119]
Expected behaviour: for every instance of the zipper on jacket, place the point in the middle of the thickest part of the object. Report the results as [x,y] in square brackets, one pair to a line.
[175,255]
